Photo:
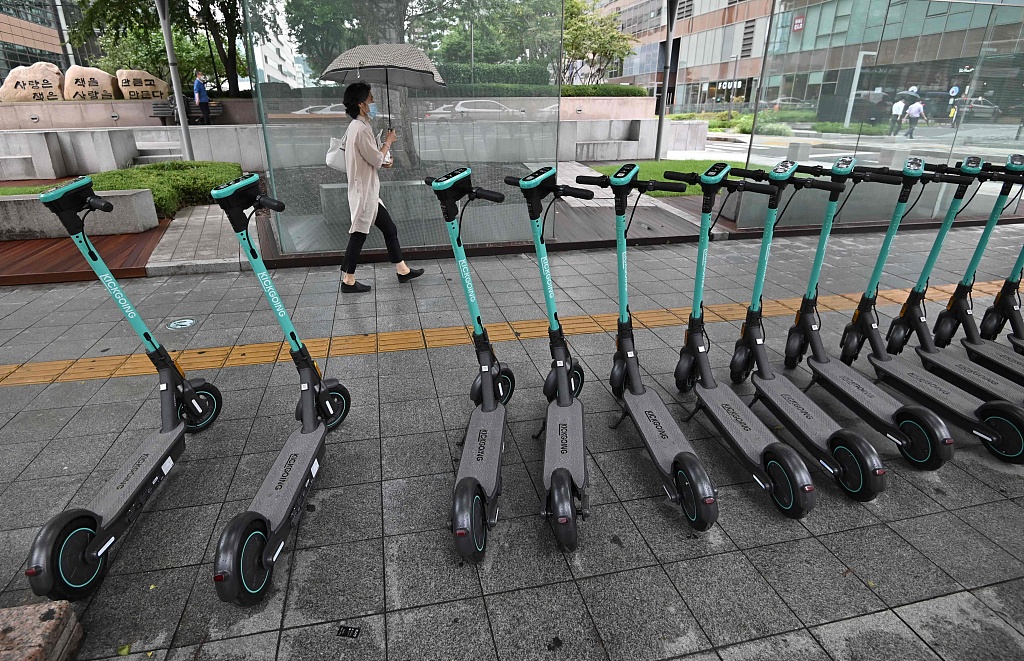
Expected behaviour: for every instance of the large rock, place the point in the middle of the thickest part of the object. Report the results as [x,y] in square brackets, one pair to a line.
[40,82]
[137,84]
[90,84]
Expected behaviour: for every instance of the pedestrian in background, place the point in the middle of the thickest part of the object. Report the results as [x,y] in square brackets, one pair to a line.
[896,118]
[202,98]
[914,114]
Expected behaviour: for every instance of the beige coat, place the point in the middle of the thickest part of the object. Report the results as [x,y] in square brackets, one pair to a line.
[362,160]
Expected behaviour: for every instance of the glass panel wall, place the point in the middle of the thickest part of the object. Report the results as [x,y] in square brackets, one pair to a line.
[498,112]
[833,71]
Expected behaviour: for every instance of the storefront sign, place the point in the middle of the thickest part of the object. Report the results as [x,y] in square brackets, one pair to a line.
[954,90]
[798,23]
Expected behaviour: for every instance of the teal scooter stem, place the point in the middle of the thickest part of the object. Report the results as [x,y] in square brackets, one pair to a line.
[249,546]
[68,559]
[684,478]
[478,482]
[565,468]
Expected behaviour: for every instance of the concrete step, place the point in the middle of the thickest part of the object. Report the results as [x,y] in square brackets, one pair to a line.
[606,150]
[158,148]
[156,158]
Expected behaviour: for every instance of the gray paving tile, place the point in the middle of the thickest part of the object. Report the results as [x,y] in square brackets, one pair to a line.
[664,528]
[1005,478]
[730,599]
[520,554]
[35,425]
[544,622]
[341,514]
[102,419]
[15,458]
[191,483]
[834,510]
[457,631]
[641,616]
[608,541]
[258,647]
[797,646]
[893,569]
[411,456]
[249,474]
[631,473]
[950,487]
[943,538]
[14,548]
[33,502]
[207,618]
[747,515]
[1001,522]
[417,503]
[818,587]
[145,607]
[423,568]
[335,582]
[959,626]
[901,500]
[1006,600]
[65,394]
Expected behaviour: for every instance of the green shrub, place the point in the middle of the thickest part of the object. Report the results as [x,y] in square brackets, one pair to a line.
[603,90]
[175,184]
[745,124]
[683,115]
[493,90]
[853,129]
[657,169]
[787,116]
[515,74]
[774,129]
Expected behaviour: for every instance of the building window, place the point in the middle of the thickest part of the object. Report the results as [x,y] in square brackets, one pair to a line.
[34,11]
[747,47]
[685,9]
[16,55]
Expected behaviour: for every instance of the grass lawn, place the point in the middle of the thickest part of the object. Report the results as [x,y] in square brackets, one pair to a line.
[656,170]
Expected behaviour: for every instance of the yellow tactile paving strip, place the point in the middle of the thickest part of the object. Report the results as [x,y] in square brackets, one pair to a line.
[106,367]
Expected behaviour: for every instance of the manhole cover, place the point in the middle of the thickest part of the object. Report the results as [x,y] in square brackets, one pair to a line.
[178,324]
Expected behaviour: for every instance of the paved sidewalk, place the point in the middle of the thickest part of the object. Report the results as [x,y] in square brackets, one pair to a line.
[199,240]
[934,568]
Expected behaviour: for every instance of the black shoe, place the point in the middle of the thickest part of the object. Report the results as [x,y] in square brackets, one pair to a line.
[413,273]
[357,288]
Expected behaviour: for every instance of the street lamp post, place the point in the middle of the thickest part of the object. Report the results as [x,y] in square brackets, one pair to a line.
[856,81]
[732,91]
[670,19]
[163,12]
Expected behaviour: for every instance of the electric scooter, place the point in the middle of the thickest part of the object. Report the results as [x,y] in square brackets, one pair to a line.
[851,460]
[1005,308]
[478,482]
[683,476]
[68,559]
[776,467]
[248,548]
[999,358]
[565,454]
[920,435]
[997,423]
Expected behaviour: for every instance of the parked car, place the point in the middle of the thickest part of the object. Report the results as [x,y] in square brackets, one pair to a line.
[484,109]
[789,103]
[549,113]
[308,110]
[441,113]
[339,109]
[982,108]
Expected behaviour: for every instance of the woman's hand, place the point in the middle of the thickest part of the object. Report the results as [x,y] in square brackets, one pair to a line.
[390,137]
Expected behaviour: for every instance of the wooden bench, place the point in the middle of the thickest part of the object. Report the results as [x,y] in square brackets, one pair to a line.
[168,110]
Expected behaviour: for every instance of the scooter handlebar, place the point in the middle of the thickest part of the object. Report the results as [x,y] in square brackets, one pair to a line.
[954,179]
[572,191]
[99,204]
[816,170]
[820,184]
[668,186]
[512,181]
[269,203]
[756,175]
[489,195]
[429,180]
[764,189]
[877,169]
[603,181]
[688,177]
[890,179]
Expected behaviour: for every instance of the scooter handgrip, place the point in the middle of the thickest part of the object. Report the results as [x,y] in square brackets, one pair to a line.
[581,193]
[269,203]
[890,179]
[669,186]
[688,177]
[429,180]
[811,169]
[757,175]
[820,184]
[764,189]
[99,204]
[876,170]
[489,195]
[959,180]
[512,181]
[586,180]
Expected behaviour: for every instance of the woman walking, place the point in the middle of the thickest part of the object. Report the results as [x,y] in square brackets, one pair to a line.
[362,160]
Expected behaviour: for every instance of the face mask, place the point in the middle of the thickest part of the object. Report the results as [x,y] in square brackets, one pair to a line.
[371,110]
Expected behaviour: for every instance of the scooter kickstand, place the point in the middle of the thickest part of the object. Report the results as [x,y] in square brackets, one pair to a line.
[543,426]
[622,416]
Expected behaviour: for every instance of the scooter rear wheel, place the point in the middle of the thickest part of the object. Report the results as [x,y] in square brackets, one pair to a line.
[696,491]
[73,577]
[929,444]
[792,488]
[1008,422]
[469,520]
[254,579]
[210,400]
[341,402]
[861,475]
[562,508]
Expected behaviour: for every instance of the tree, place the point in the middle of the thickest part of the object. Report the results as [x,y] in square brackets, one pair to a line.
[592,41]
[146,51]
[322,30]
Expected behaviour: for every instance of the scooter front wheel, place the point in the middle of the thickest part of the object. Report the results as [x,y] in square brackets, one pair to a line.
[741,364]
[992,324]
[898,336]
[796,346]
[240,575]
[686,377]
[339,402]
[861,474]
[695,490]
[929,443]
[617,379]
[210,402]
[946,326]
[576,378]
[792,489]
[66,574]
[505,385]
[850,346]
[469,520]
[1007,421]
[562,510]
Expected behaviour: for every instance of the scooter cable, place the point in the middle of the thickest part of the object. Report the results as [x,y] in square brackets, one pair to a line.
[846,199]
[633,213]
[544,218]
[975,194]
[720,210]
[779,217]
[1013,199]
[905,213]
[462,213]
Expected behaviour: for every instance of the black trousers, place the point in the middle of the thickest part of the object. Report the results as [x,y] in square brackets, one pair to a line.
[357,239]
[204,107]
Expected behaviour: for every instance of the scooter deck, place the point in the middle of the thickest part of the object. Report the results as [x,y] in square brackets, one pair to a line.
[563,443]
[291,476]
[999,358]
[796,411]
[1018,344]
[857,392]
[660,431]
[150,463]
[917,382]
[481,451]
[735,421]
[953,364]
